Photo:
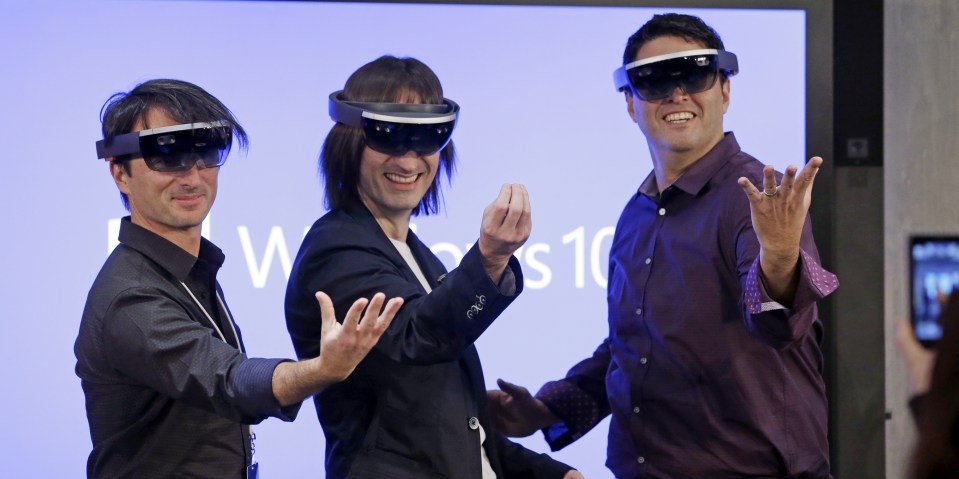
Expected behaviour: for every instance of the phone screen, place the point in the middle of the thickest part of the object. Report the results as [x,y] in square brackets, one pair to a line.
[934,266]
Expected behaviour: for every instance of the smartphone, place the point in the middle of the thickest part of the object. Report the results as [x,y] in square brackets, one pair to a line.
[934,269]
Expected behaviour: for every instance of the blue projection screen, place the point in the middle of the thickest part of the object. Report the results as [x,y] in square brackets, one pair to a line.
[538,107]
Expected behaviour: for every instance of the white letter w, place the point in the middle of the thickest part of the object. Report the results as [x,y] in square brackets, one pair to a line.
[275,244]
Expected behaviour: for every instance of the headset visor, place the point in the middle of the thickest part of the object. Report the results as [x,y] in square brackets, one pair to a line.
[397,128]
[691,71]
[173,148]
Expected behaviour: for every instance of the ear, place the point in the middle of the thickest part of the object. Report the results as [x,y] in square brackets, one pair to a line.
[725,90]
[120,176]
[629,104]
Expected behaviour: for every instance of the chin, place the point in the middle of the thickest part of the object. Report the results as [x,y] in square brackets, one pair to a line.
[406,207]
[190,220]
[680,147]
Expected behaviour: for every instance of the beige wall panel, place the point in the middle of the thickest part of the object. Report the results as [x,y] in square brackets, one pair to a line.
[921,179]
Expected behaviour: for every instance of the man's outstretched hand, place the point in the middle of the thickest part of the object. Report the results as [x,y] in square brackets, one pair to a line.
[516,412]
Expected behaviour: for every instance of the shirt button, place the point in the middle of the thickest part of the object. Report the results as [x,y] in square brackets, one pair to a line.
[636,409]
[649,260]
[639,311]
[640,459]
[643,360]
[474,423]
[662,212]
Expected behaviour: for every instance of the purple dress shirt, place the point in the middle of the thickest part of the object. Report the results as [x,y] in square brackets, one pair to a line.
[704,374]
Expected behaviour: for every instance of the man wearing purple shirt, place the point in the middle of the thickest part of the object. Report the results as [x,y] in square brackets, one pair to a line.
[712,367]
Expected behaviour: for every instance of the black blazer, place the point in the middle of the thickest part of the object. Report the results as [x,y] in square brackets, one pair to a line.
[411,409]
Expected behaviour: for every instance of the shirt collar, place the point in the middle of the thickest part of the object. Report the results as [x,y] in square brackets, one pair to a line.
[167,254]
[700,172]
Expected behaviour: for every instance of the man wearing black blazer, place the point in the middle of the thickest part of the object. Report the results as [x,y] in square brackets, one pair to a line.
[416,406]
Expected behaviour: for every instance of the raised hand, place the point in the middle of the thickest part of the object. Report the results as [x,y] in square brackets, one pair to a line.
[343,346]
[506,226]
[778,213]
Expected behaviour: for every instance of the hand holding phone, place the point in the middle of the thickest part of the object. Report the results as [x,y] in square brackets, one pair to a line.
[934,270]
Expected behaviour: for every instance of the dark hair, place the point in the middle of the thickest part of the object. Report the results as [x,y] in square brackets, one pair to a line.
[386,79]
[688,27]
[182,101]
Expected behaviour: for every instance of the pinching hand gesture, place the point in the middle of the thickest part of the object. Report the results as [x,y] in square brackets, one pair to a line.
[506,226]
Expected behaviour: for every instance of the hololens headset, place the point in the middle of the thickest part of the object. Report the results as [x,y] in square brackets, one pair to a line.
[175,147]
[397,128]
[692,71]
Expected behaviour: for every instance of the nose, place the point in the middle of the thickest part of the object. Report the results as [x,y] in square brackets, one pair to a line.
[407,160]
[678,94]
[192,175]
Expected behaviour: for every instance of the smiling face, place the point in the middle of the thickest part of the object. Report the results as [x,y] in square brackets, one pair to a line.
[684,126]
[392,186]
[170,204]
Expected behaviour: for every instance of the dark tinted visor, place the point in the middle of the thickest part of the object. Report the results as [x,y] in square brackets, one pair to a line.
[174,148]
[395,139]
[397,128]
[692,71]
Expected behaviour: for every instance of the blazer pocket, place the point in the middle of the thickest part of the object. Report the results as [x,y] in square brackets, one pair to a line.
[379,464]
